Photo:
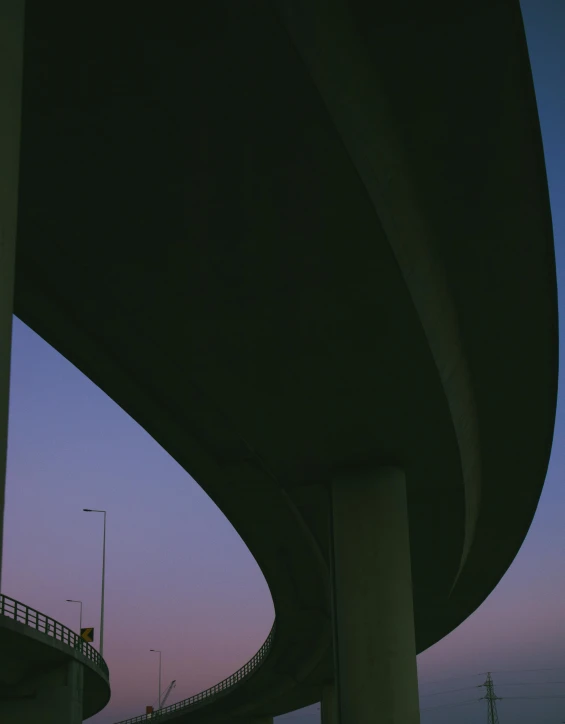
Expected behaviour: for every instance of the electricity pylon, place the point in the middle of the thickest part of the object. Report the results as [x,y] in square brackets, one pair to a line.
[491,698]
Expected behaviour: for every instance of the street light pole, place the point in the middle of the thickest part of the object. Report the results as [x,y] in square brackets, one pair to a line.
[90,510]
[158,652]
[72,600]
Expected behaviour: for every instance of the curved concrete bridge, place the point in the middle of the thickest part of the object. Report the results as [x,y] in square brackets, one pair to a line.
[48,674]
[214,693]
[307,246]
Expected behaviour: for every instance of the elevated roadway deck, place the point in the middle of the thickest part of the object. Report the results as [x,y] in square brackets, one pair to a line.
[301,243]
[48,674]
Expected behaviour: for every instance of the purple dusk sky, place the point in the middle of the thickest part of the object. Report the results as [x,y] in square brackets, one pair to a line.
[180,579]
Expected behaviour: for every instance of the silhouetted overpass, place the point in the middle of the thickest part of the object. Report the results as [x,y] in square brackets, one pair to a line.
[48,674]
[308,247]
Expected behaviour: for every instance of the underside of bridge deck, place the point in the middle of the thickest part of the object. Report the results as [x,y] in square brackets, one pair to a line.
[295,240]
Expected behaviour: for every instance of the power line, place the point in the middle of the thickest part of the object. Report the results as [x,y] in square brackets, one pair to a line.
[459,703]
[451,678]
[531,683]
[521,671]
[538,696]
[449,691]
[484,673]
[508,683]
[491,698]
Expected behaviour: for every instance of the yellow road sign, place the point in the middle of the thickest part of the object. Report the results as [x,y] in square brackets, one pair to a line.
[87,634]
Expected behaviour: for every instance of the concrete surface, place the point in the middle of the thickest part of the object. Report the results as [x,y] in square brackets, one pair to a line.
[43,679]
[292,238]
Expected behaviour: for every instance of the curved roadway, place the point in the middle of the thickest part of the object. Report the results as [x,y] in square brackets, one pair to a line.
[32,645]
[294,237]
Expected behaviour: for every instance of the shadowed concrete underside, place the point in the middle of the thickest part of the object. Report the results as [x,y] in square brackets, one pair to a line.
[43,679]
[287,262]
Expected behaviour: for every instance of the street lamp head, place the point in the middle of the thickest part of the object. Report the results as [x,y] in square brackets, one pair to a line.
[87,510]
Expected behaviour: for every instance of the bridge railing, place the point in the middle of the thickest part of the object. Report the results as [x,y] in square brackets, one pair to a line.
[214,691]
[18,611]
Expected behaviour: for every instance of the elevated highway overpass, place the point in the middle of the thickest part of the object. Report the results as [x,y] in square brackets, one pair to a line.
[48,674]
[308,247]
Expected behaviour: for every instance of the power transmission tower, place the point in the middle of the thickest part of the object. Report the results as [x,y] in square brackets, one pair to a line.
[491,698]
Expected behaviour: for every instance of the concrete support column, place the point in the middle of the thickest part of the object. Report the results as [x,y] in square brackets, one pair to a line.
[54,697]
[329,705]
[11,57]
[374,640]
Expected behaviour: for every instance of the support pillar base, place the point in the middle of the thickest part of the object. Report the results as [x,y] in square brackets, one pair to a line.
[329,705]
[373,616]
[54,697]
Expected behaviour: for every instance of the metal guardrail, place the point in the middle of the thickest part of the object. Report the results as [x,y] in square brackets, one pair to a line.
[217,690]
[40,622]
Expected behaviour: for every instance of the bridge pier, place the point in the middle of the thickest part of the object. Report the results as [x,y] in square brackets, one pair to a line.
[374,640]
[329,705]
[52,697]
[11,61]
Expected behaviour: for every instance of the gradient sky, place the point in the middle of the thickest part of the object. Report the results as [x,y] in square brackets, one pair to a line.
[178,576]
